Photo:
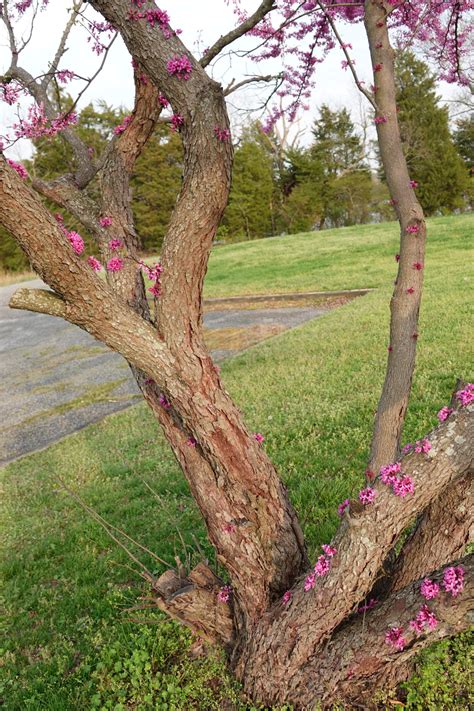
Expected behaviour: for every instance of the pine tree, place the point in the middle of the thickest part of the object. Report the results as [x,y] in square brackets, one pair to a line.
[431,155]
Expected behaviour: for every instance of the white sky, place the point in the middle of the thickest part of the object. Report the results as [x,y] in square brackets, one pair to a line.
[202,23]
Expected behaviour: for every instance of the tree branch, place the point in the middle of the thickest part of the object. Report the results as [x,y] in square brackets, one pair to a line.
[263,9]
[41,301]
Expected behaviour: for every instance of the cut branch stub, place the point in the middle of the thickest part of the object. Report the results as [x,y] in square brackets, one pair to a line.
[194,601]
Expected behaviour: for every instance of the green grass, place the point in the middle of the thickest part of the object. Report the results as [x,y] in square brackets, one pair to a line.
[312,392]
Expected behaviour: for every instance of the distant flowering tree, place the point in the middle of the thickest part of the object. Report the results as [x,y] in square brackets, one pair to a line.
[288,628]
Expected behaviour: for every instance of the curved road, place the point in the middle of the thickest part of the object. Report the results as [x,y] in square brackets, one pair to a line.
[56,379]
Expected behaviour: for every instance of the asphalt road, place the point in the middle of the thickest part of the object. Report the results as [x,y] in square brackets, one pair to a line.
[56,379]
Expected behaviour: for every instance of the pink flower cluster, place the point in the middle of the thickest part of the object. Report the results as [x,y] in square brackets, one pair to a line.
[224,593]
[163,101]
[466,396]
[164,402]
[413,184]
[153,17]
[115,264]
[94,263]
[413,229]
[76,241]
[105,221]
[394,637]
[380,119]
[341,509]
[176,122]
[10,93]
[367,495]
[259,437]
[424,618]
[65,75]
[229,528]
[322,567]
[115,244]
[287,597]
[180,67]
[444,413]
[38,125]
[153,274]
[21,170]
[122,126]
[222,134]
[429,589]
[453,580]
[401,485]
[422,446]
[191,442]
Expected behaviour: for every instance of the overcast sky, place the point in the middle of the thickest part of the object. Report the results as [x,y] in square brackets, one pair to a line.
[201,22]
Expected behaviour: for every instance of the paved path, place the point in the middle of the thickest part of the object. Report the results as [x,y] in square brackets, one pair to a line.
[56,379]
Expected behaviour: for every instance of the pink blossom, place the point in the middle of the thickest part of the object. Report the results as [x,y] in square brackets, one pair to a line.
[287,597]
[429,589]
[149,381]
[397,257]
[368,606]
[22,172]
[413,184]
[424,618]
[444,413]
[322,566]
[155,289]
[94,263]
[410,290]
[422,446]
[222,134]
[388,474]
[164,402]
[163,101]
[259,437]
[176,122]
[341,509]
[105,221]
[402,487]
[65,75]
[394,637]
[378,67]
[329,550]
[407,448]
[367,495]
[180,67]
[466,396]
[76,241]
[121,127]
[453,580]
[224,593]
[413,229]
[115,244]
[418,266]
[310,582]
[115,264]
[10,93]
[380,119]
[229,528]
[191,442]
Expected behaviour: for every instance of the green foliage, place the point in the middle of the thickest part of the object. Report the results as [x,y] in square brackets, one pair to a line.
[432,158]
[252,201]
[66,586]
[155,185]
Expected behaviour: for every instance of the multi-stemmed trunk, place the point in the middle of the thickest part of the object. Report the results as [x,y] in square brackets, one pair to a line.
[314,648]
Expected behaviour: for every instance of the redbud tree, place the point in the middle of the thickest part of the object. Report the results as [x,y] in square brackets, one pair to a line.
[290,628]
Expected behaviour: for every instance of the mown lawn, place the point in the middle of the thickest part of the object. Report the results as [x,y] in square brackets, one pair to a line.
[69,642]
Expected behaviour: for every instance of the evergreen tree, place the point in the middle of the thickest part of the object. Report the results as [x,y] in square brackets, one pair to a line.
[252,207]
[431,155]
[346,183]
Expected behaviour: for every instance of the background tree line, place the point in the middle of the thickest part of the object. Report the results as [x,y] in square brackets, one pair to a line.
[283,188]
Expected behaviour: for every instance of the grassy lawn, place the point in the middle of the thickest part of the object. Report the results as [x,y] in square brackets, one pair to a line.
[69,642]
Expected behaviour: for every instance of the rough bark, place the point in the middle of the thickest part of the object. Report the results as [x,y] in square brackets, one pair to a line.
[288,640]
[358,660]
[405,305]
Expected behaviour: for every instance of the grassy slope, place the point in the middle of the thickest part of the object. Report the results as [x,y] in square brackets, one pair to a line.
[312,393]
